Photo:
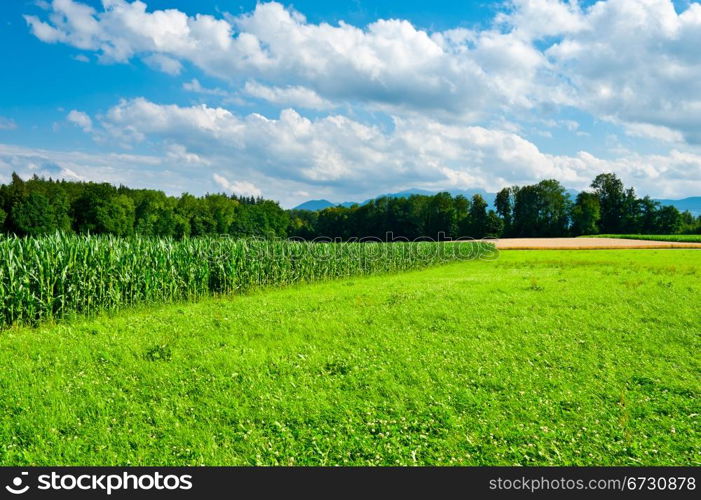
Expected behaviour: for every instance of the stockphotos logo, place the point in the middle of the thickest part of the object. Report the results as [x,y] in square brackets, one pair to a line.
[18,487]
[105,483]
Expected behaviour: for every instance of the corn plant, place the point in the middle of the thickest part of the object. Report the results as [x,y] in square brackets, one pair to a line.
[56,276]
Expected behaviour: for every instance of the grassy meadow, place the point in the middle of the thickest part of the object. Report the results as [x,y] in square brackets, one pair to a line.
[536,358]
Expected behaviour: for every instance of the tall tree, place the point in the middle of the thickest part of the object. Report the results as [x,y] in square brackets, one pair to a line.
[631,213]
[609,189]
[462,214]
[494,225]
[479,221]
[669,220]
[553,208]
[440,216]
[647,209]
[586,214]
[525,212]
[504,207]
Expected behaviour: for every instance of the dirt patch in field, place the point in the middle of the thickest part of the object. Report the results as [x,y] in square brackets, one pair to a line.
[585,244]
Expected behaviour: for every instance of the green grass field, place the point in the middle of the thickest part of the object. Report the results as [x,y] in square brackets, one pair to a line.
[540,357]
[690,238]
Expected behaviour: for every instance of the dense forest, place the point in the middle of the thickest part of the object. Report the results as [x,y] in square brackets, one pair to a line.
[39,206]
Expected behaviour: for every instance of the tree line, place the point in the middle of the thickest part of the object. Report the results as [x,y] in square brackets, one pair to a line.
[544,209]
[38,206]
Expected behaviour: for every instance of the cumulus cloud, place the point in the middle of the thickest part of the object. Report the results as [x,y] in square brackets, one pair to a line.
[80,119]
[195,86]
[356,159]
[241,188]
[164,63]
[180,153]
[637,62]
[28,163]
[295,96]
[657,132]
[634,61]
[389,63]
[148,171]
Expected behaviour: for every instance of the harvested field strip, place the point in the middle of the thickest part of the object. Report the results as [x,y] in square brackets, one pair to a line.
[586,244]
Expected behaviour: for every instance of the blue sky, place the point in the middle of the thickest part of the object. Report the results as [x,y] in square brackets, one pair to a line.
[345,100]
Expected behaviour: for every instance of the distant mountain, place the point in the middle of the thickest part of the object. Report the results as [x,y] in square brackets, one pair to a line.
[692,204]
[322,204]
[404,194]
[314,205]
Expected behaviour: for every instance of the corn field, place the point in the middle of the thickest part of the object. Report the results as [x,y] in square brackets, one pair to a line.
[62,275]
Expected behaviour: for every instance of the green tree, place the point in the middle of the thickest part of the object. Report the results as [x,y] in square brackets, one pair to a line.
[303,224]
[222,210]
[33,215]
[494,226]
[115,216]
[479,221]
[669,220]
[525,211]
[154,213]
[688,222]
[612,198]
[196,213]
[87,210]
[504,206]
[404,217]
[631,215]
[440,216]
[553,205]
[647,209]
[586,214]
[333,222]
[17,189]
[462,214]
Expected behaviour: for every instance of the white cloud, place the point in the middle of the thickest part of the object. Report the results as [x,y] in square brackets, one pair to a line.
[295,96]
[27,163]
[195,86]
[390,63]
[80,119]
[178,152]
[653,132]
[147,171]
[536,19]
[241,188]
[636,62]
[164,63]
[631,61]
[356,160]
[570,125]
